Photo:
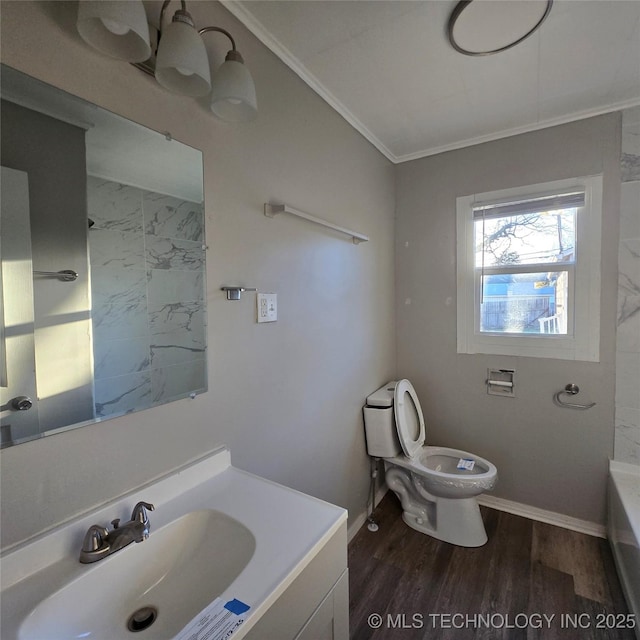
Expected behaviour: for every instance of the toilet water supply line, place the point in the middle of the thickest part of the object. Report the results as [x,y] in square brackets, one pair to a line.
[373,526]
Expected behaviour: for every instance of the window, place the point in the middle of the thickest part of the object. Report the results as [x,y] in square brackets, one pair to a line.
[529,270]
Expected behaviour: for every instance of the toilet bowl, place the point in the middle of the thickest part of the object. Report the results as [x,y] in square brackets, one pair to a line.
[437,486]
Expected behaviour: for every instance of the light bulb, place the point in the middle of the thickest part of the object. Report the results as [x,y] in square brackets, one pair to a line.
[117,28]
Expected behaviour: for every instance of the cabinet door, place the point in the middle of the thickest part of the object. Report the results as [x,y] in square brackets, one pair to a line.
[320,624]
[341,608]
[330,621]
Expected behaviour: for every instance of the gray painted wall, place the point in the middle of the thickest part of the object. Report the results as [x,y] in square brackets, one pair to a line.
[285,397]
[547,457]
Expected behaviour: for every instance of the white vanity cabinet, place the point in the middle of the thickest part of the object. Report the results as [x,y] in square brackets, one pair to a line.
[315,606]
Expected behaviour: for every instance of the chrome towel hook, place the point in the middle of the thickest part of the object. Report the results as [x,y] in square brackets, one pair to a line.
[571,390]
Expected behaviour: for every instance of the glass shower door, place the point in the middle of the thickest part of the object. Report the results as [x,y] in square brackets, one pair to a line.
[19,407]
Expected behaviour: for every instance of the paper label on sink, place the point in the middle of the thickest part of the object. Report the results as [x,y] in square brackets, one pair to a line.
[217,622]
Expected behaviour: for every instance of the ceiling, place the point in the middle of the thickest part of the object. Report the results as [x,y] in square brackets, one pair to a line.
[387,67]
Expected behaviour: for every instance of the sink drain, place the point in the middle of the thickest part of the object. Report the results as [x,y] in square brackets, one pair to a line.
[142,619]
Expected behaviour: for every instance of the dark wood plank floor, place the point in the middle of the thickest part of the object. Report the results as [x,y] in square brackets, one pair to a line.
[531,581]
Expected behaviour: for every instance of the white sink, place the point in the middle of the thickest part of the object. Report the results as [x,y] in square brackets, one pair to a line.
[177,572]
[216,532]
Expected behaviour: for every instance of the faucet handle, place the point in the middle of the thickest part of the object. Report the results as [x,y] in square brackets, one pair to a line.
[139,512]
[94,539]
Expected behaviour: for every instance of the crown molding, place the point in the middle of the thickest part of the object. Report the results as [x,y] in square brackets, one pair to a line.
[527,128]
[268,40]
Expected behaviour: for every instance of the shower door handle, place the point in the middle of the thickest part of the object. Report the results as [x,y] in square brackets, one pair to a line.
[21,403]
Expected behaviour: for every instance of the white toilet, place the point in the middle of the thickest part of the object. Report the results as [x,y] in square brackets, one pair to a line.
[436,485]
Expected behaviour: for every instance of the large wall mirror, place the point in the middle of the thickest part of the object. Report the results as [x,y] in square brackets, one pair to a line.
[103,264]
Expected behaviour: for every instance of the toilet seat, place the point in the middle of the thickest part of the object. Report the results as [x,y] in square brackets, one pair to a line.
[409,418]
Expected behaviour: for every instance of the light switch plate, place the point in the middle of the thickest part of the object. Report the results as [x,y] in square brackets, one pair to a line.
[267,307]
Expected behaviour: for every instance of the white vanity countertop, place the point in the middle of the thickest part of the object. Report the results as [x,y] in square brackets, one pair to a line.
[289,528]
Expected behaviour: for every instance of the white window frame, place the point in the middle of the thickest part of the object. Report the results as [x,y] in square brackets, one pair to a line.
[582,341]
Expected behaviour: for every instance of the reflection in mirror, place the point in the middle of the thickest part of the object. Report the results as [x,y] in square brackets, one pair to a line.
[119,208]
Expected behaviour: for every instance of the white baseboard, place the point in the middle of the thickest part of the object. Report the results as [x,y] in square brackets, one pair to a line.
[542,515]
[509,506]
[357,523]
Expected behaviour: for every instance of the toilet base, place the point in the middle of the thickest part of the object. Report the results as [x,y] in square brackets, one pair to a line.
[459,522]
[454,520]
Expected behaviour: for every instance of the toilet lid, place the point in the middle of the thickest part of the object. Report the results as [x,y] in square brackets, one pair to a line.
[409,418]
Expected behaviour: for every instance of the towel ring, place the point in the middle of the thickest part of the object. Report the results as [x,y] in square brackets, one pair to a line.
[571,390]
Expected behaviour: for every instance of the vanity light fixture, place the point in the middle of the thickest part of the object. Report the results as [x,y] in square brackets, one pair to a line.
[179,60]
[483,27]
[182,65]
[118,29]
[233,97]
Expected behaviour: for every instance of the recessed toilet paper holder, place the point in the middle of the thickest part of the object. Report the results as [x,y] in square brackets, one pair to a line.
[571,390]
[501,382]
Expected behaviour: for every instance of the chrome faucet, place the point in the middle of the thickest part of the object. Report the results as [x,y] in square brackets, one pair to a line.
[99,542]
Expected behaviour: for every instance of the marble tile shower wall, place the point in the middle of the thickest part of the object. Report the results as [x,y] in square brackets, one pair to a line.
[627,435]
[147,273]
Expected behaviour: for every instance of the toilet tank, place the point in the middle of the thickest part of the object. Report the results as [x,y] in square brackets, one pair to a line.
[379,423]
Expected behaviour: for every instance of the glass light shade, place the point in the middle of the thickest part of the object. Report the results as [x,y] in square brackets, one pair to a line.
[117,28]
[233,98]
[182,65]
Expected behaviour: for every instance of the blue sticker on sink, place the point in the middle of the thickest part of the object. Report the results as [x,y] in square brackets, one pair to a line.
[217,621]
[236,606]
